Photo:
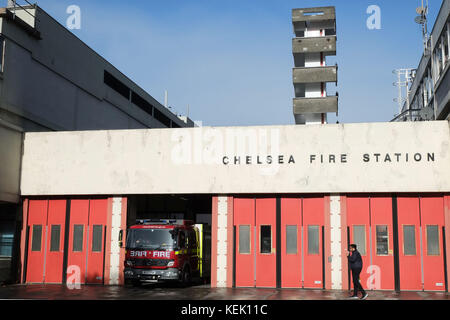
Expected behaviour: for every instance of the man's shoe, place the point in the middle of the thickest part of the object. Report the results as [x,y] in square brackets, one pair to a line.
[353,297]
[364,297]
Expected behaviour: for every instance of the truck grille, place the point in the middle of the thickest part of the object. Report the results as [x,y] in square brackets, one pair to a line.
[151,262]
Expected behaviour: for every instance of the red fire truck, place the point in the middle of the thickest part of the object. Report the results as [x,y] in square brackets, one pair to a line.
[167,250]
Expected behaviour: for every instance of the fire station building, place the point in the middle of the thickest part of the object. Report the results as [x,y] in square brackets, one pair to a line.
[284,201]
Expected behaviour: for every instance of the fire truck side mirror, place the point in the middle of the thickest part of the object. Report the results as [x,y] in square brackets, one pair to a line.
[121,238]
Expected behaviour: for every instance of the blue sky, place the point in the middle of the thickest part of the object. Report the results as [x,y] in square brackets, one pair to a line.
[231,60]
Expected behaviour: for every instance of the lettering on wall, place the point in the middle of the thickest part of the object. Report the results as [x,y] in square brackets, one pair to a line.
[398,157]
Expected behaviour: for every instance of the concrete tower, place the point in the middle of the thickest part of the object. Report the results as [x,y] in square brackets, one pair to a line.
[315,39]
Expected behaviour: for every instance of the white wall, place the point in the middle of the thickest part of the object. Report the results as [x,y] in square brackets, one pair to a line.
[162,161]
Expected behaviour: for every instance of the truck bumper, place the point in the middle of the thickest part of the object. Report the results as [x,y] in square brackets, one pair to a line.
[152,275]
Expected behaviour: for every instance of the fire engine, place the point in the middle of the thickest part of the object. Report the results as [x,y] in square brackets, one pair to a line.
[167,250]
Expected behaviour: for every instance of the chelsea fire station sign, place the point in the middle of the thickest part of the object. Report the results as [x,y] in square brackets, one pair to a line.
[352,158]
[329,158]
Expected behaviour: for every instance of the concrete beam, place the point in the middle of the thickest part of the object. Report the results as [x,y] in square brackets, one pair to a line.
[8,15]
[319,18]
[313,14]
[315,74]
[442,95]
[315,105]
[326,45]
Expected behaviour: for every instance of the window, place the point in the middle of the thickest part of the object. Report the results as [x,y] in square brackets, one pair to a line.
[313,239]
[359,238]
[141,103]
[382,240]
[55,238]
[438,59]
[153,239]
[430,86]
[424,91]
[182,240]
[116,85]
[445,40]
[192,239]
[2,53]
[244,239]
[6,244]
[7,229]
[409,240]
[266,239]
[433,241]
[36,239]
[161,117]
[420,97]
[97,238]
[78,231]
[291,239]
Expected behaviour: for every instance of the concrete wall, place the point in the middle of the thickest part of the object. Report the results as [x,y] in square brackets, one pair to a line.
[202,160]
[10,162]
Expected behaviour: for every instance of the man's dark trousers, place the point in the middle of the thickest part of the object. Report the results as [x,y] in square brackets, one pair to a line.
[356,284]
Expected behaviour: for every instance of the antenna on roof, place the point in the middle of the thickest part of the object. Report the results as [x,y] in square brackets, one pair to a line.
[405,77]
[422,19]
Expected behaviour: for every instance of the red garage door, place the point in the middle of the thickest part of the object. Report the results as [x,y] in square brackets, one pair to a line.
[55,241]
[313,222]
[37,232]
[409,243]
[432,227]
[244,222]
[301,223]
[86,238]
[358,220]
[291,243]
[369,221]
[254,220]
[382,243]
[266,245]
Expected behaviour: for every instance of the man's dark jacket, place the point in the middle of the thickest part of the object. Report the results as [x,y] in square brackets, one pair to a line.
[355,260]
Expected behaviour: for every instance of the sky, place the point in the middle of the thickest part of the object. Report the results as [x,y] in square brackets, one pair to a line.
[231,60]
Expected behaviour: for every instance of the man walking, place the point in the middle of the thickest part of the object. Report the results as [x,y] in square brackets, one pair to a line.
[355,262]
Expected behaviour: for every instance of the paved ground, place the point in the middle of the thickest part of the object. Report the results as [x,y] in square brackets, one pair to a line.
[152,292]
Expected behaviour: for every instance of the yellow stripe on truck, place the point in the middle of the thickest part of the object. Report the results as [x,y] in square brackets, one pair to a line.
[199,232]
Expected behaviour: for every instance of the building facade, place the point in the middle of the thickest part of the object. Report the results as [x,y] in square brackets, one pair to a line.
[429,94]
[51,81]
[285,201]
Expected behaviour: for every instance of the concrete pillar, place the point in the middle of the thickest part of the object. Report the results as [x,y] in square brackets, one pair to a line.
[221,268]
[222,242]
[336,242]
[344,262]
[117,252]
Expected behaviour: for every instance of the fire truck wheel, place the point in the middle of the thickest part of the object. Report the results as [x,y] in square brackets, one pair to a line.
[186,278]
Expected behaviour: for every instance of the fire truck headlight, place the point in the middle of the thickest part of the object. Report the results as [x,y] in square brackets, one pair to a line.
[171,263]
[129,263]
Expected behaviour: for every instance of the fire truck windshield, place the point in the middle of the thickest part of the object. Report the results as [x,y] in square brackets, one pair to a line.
[151,239]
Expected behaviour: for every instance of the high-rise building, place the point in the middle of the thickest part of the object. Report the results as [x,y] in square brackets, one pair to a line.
[315,39]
